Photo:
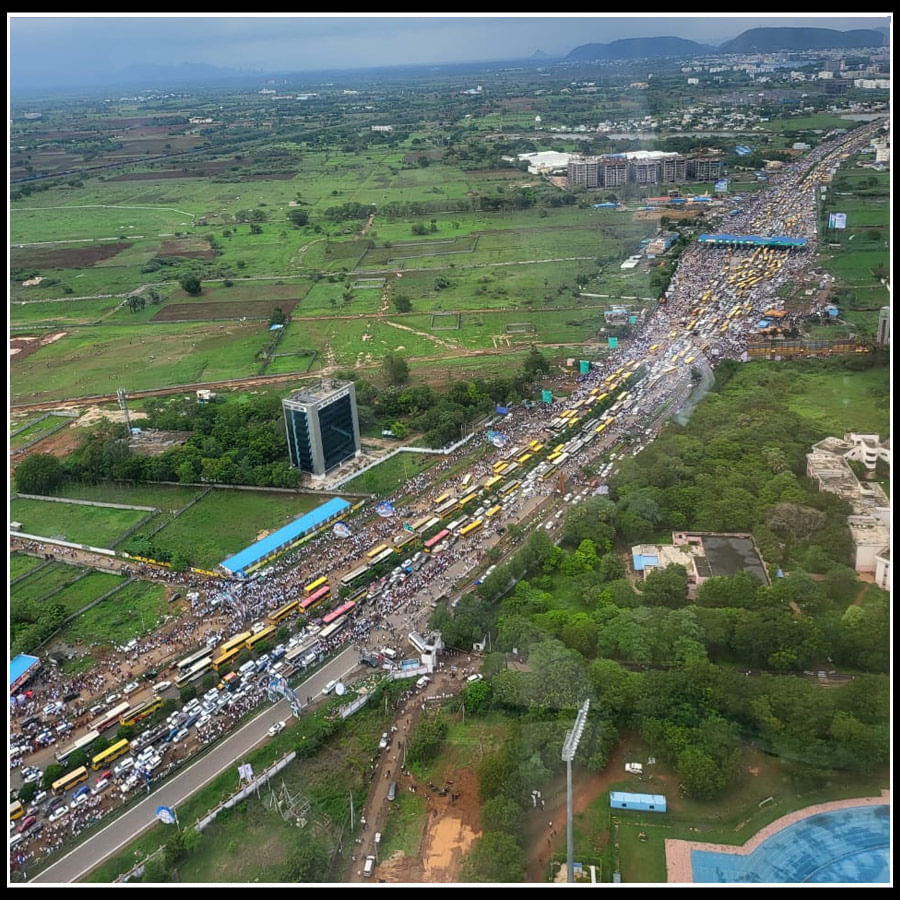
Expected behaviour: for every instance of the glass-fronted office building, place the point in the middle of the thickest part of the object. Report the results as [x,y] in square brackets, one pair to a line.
[322,426]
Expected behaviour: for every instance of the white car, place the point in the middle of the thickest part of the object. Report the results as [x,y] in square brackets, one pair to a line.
[58,813]
[131,687]
[160,686]
[330,686]
[100,787]
[385,740]
[277,728]
[123,766]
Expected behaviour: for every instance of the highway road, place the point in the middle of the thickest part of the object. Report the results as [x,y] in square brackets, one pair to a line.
[228,752]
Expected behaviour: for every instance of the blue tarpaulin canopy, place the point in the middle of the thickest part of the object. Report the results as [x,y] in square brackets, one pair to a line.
[284,537]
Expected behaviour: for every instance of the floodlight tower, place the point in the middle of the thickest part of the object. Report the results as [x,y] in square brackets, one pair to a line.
[123,405]
[570,747]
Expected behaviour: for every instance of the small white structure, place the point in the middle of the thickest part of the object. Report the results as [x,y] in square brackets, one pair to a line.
[634,768]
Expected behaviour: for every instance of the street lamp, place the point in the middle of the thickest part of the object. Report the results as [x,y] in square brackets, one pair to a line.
[570,747]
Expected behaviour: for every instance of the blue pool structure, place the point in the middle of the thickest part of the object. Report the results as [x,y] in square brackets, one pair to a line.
[845,844]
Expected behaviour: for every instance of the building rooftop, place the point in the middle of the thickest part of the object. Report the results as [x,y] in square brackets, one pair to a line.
[315,393]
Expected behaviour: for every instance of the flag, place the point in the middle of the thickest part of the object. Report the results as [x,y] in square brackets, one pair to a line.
[166,814]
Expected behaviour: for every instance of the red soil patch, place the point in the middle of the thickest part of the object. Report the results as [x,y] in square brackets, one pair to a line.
[204,311]
[189,247]
[68,258]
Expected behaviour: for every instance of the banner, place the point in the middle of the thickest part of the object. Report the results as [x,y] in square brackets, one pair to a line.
[245,772]
[165,814]
[583,366]
[721,187]
[384,508]
[498,439]
[612,343]
[837,220]
[341,530]
[547,396]
[502,410]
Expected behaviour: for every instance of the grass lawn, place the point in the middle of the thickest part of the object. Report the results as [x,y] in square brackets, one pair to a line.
[21,563]
[136,609]
[38,585]
[82,592]
[387,478]
[93,525]
[225,522]
[163,496]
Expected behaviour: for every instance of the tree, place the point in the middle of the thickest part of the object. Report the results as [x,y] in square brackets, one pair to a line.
[39,473]
[496,858]
[136,303]
[277,317]
[396,369]
[402,303]
[190,284]
[535,364]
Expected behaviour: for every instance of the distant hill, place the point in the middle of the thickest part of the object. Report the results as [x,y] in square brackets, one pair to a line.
[763,40]
[640,48]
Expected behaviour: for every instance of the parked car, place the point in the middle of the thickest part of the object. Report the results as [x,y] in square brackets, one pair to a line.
[131,687]
[123,766]
[276,729]
[58,813]
[160,686]
[26,823]
[385,740]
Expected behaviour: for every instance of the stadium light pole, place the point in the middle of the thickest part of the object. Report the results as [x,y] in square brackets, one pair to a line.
[570,747]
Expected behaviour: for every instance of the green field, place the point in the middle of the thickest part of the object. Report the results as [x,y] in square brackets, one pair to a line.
[93,525]
[387,478]
[41,583]
[136,609]
[37,430]
[225,522]
[21,563]
[163,496]
[84,591]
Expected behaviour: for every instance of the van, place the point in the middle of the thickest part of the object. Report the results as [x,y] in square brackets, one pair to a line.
[83,791]
[369,866]
[330,686]
[473,678]
[387,652]
[424,680]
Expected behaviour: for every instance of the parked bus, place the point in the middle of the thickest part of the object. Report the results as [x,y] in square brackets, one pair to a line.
[333,628]
[315,585]
[493,511]
[16,810]
[120,748]
[509,487]
[433,522]
[432,542]
[499,467]
[260,636]
[109,718]
[446,506]
[61,785]
[403,539]
[80,743]
[184,665]
[491,483]
[237,641]
[465,480]
[314,599]
[419,524]
[355,575]
[384,555]
[521,460]
[335,614]
[200,667]
[376,550]
[472,526]
[467,499]
[456,524]
[443,498]
[283,612]
[141,711]
[224,659]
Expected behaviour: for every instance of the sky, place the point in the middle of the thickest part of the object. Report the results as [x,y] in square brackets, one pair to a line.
[46,49]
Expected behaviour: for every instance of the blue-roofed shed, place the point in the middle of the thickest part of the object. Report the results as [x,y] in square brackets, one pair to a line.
[280,540]
[641,802]
[21,669]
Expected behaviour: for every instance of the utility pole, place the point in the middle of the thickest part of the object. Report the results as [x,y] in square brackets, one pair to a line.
[570,747]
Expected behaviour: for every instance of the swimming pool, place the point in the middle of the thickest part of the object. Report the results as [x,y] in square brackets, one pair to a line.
[846,846]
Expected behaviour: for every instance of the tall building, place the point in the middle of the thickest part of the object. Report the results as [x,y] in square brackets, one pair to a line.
[322,426]
[583,172]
